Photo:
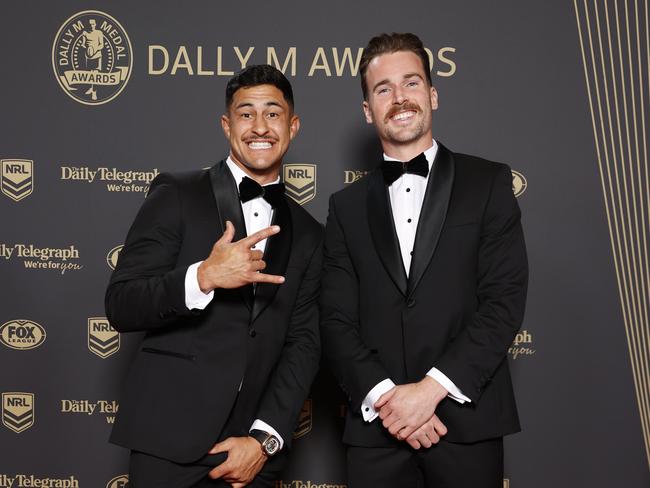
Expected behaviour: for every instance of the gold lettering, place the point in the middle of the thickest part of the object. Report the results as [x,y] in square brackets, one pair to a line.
[199,63]
[220,71]
[447,61]
[244,60]
[320,62]
[165,54]
[182,53]
[272,58]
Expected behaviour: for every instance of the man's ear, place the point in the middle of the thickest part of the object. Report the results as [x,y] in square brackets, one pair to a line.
[225,125]
[434,98]
[367,112]
[294,126]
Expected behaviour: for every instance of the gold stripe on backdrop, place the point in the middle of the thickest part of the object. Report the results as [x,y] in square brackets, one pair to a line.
[616,65]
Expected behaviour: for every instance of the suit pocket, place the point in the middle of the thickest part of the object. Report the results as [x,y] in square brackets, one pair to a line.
[174,354]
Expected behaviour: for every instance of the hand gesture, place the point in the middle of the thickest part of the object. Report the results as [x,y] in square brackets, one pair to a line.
[428,434]
[245,460]
[236,264]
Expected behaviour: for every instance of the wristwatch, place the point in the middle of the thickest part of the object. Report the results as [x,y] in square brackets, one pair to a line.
[270,443]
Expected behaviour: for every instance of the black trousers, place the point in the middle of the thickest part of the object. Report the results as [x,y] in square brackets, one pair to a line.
[147,471]
[444,465]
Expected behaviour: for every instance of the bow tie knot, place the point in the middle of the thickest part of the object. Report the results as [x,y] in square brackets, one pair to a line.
[393,170]
[250,189]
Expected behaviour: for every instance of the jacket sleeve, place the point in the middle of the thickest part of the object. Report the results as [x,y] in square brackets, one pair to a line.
[147,289]
[356,368]
[298,364]
[473,356]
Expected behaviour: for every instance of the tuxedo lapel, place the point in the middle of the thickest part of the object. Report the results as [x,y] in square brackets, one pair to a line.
[226,197]
[276,256]
[432,215]
[382,229]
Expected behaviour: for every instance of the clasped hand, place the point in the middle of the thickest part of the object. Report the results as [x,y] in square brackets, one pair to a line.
[235,264]
[408,412]
[244,462]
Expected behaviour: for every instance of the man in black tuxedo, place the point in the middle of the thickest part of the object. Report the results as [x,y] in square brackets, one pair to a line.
[424,285]
[229,352]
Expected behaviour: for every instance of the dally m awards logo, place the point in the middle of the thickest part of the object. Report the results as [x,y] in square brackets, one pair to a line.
[22,334]
[92,57]
[300,182]
[304,420]
[18,411]
[519,183]
[120,481]
[17,178]
[113,255]
[103,340]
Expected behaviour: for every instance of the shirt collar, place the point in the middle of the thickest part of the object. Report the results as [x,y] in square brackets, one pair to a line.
[430,154]
[239,173]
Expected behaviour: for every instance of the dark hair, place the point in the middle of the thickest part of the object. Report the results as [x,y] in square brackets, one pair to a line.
[391,43]
[259,74]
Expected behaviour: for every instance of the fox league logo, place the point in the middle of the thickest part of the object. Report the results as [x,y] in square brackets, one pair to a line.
[113,255]
[92,57]
[121,481]
[519,183]
[18,411]
[17,178]
[103,340]
[300,181]
[22,334]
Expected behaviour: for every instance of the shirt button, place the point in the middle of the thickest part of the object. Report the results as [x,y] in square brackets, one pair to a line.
[367,409]
[252,332]
[255,214]
[409,221]
[411,303]
[411,253]
[408,190]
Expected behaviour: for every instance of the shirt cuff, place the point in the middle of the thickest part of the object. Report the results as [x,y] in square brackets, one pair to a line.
[194,297]
[453,391]
[368,405]
[261,425]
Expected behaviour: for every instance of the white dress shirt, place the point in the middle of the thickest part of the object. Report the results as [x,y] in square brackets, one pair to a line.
[406,197]
[257,215]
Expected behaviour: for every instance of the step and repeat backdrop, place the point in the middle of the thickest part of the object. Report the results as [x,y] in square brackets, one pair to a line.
[98,97]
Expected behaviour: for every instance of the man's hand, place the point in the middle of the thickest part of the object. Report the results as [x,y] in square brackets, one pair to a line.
[234,264]
[245,460]
[405,408]
[428,434]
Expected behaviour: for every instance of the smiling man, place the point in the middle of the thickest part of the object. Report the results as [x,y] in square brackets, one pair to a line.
[231,341]
[424,285]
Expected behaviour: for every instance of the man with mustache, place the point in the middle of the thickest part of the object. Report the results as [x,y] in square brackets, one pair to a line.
[231,340]
[424,286]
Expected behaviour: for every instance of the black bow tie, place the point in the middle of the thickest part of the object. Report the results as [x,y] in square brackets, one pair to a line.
[249,189]
[392,170]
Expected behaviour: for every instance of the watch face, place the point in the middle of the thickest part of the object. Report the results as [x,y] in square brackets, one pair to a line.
[271,446]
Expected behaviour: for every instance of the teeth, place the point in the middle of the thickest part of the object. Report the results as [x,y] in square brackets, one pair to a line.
[403,115]
[259,145]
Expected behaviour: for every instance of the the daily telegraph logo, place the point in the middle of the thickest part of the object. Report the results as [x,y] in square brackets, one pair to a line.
[107,408]
[115,180]
[113,255]
[522,345]
[519,183]
[60,259]
[18,411]
[300,182]
[120,481]
[32,481]
[103,340]
[17,178]
[304,420]
[92,57]
[22,334]
[350,176]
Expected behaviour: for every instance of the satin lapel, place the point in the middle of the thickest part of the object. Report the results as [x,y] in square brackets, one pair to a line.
[276,256]
[226,196]
[382,229]
[432,215]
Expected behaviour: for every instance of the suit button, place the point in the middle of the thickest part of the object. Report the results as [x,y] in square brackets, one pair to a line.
[410,303]
[252,332]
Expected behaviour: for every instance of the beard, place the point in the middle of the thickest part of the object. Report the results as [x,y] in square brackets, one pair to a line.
[404,135]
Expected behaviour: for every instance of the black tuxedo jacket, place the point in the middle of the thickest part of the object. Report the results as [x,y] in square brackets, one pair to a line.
[185,378]
[458,310]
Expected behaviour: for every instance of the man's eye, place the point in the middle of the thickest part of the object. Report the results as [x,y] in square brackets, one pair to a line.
[246,116]
[382,90]
[412,83]
[273,115]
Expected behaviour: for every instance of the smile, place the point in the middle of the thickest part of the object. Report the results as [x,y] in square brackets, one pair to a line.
[403,115]
[259,145]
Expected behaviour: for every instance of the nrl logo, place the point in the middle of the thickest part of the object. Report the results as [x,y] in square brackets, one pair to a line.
[519,183]
[17,178]
[300,182]
[304,420]
[120,481]
[113,255]
[18,411]
[103,340]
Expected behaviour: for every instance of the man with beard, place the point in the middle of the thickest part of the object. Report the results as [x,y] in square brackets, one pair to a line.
[229,352]
[424,286]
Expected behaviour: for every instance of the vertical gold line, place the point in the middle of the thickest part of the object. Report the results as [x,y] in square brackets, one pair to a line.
[635,331]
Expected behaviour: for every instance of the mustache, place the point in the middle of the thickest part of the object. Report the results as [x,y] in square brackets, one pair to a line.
[260,139]
[402,108]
